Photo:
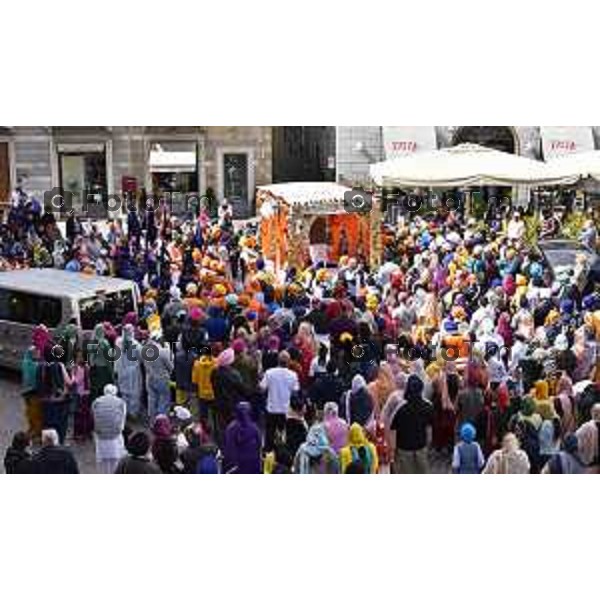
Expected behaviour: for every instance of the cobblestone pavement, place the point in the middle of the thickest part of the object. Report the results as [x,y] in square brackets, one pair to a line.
[12,419]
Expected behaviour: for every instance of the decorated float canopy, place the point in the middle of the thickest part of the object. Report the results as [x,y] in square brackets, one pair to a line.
[302,220]
[320,196]
[466,165]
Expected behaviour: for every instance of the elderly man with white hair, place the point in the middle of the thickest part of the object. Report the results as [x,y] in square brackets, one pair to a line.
[110,413]
[52,458]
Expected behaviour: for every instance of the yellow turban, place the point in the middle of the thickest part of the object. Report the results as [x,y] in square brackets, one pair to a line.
[541,390]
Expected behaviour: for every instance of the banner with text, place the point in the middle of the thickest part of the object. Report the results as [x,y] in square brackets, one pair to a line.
[400,141]
[558,141]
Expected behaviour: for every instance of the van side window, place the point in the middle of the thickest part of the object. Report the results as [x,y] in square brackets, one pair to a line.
[30,309]
[107,307]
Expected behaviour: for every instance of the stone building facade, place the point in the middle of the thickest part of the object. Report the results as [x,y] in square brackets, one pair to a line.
[231,161]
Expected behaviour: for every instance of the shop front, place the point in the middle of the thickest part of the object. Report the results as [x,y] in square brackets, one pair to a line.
[173,171]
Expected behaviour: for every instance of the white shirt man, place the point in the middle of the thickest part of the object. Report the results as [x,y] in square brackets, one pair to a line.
[516,228]
[280,383]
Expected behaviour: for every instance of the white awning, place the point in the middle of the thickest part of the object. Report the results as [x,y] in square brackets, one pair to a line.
[404,140]
[560,141]
[464,165]
[172,162]
[579,164]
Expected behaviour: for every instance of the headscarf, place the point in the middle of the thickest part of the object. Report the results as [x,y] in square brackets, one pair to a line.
[335,427]
[162,427]
[226,358]
[357,440]
[273,343]
[238,346]
[358,383]
[383,385]
[437,372]
[41,338]
[242,430]
[130,318]
[315,446]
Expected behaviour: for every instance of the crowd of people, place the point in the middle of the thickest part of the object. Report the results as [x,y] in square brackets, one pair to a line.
[463,349]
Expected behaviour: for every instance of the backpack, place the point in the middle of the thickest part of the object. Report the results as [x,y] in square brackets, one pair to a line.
[361,455]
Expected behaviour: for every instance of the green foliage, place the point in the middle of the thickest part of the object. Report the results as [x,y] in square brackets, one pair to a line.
[572,225]
[532,224]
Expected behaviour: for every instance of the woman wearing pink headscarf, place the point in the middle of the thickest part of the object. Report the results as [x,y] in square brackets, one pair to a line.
[335,427]
[41,338]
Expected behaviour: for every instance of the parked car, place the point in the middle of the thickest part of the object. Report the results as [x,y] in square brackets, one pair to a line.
[562,255]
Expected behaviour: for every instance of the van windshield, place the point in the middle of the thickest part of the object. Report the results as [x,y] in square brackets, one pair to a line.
[111,307]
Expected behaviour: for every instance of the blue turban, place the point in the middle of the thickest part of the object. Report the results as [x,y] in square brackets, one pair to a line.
[536,270]
[590,302]
[567,306]
[467,433]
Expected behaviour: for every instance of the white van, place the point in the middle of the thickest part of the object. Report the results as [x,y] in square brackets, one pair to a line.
[54,297]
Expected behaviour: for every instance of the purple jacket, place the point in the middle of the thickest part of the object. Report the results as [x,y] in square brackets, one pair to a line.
[242,443]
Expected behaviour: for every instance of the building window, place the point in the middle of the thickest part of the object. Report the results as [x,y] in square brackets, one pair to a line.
[83,173]
[173,167]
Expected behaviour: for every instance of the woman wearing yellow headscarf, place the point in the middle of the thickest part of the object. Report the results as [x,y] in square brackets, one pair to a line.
[359,450]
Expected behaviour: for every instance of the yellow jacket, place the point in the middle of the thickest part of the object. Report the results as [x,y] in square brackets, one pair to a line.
[201,376]
[356,440]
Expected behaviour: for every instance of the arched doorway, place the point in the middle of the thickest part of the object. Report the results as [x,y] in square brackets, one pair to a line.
[318,231]
[499,138]
[504,139]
